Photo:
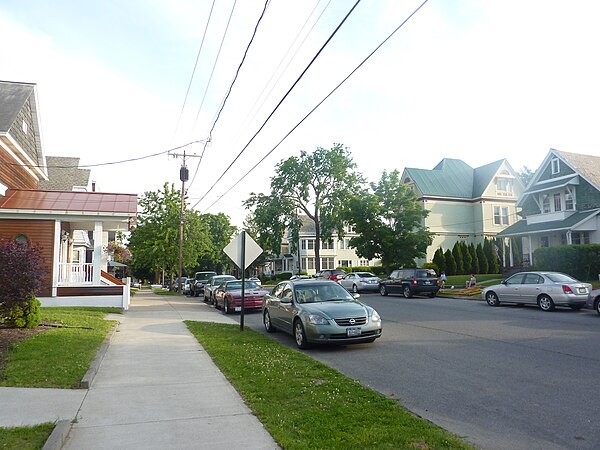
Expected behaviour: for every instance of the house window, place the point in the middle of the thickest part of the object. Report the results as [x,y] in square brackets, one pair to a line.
[555,166]
[308,244]
[309,263]
[349,229]
[496,215]
[327,245]
[546,204]
[22,239]
[569,204]
[503,186]
[327,263]
[344,244]
[363,263]
[500,215]
[544,241]
[580,238]
[557,202]
[504,211]
[345,263]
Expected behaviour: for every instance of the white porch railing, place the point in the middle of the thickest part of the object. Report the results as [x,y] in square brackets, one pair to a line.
[70,274]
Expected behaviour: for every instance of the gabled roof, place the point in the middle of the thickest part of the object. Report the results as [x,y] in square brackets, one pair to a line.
[64,174]
[454,178]
[12,98]
[522,228]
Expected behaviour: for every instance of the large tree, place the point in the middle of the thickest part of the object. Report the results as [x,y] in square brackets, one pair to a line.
[154,243]
[389,221]
[220,232]
[315,184]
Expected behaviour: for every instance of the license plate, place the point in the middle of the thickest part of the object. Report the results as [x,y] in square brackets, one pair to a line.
[582,290]
[353,331]
[427,282]
[238,308]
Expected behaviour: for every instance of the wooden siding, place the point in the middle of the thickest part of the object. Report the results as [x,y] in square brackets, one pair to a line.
[88,291]
[13,175]
[40,232]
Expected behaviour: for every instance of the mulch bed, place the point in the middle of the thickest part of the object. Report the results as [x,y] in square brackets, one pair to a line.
[9,336]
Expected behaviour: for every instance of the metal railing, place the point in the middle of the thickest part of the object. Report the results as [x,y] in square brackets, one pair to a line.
[70,274]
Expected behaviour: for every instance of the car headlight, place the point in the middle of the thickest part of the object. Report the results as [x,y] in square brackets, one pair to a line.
[316,319]
[375,316]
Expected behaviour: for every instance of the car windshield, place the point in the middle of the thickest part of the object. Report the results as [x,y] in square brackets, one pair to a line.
[232,286]
[560,278]
[312,293]
[218,280]
[365,275]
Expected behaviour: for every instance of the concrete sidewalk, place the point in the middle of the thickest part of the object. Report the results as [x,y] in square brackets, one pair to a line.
[157,388]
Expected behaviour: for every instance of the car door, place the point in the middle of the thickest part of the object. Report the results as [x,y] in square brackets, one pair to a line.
[287,309]
[394,285]
[348,280]
[510,290]
[531,288]
[273,301]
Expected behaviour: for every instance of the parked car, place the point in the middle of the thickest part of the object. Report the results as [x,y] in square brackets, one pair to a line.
[319,312]
[187,287]
[175,286]
[593,300]
[229,296]
[212,284]
[360,281]
[409,282]
[256,280]
[335,274]
[200,279]
[545,289]
[299,277]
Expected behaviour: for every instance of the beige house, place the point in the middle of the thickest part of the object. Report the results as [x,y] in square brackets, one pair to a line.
[465,204]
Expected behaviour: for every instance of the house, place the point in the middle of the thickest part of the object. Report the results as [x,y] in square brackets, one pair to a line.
[334,252]
[464,203]
[59,221]
[561,206]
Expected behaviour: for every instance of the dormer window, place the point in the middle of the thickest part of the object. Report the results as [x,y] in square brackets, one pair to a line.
[555,166]
[546,204]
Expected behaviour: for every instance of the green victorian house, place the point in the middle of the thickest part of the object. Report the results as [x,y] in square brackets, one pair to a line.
[464,203]
[560,206]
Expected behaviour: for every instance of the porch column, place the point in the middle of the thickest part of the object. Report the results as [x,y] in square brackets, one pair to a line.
[504,253]
[510,255]
[56,259]
[569,237]
[97,259]
[530,252]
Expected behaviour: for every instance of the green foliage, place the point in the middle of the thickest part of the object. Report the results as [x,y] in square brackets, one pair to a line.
[467,258]
[389,221]
[474,259]
[220,232]
[490,252]
[450,262]
[306,405]
[25,438]
[525,175]
[315,184]
[458,258]
[431,265]
[21,275]
[579,261]
[482,258]
[439,260]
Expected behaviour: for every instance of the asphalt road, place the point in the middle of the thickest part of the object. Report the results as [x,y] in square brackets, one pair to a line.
[503,378]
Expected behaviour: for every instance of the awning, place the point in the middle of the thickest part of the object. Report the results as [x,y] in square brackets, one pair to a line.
[116,264]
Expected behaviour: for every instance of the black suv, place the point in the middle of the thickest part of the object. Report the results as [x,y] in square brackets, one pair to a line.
[200,279]
[409,282]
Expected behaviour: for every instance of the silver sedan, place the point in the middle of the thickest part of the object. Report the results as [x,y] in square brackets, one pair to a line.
[360,281]
[545,289]
[594,300]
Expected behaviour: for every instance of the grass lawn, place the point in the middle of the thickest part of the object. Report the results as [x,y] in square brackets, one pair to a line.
[58,357]
[160,291]
[25,438]
[307,405]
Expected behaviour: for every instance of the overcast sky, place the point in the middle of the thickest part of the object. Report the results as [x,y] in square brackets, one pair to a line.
[477,80]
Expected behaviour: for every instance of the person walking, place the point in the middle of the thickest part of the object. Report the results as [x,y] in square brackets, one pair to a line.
[443,280]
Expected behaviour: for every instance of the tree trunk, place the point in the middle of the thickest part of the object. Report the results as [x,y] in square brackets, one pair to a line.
[317,242]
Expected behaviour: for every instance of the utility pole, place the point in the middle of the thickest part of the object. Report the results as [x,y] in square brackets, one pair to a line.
[184,175]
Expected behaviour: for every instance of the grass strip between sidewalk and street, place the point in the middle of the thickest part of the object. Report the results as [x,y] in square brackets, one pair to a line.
[25,438]
[305,404]
[60,356]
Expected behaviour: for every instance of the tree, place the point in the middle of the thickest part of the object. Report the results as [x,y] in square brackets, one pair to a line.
[220,232]
[154,243]
[21,276]
[316,184]
[467,258]
[525,175]
[450,263]
[482,259]
[474,259]
[439,260]
[458,258]
[490,252]
[389,221]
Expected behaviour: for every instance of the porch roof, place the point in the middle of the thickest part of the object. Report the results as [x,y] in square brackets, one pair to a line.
[73,202]
[521,228]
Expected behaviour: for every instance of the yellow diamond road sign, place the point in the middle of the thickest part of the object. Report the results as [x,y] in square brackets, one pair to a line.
[235,252]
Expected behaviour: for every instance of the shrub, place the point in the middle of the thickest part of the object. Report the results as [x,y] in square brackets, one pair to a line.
[431,265]
[21,275]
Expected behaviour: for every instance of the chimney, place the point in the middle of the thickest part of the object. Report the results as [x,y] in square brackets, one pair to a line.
[93,186]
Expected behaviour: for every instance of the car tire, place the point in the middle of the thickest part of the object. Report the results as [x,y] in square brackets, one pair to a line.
[597,307]
[382,290]
[492,299]
[576,307]
[407,292]
[431,295]
[354,289]
[300,335]
[545,303]
[267,322]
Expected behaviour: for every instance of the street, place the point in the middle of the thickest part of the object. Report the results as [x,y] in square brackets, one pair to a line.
[503,378]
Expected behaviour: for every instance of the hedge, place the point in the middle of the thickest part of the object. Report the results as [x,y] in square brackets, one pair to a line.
[579,261]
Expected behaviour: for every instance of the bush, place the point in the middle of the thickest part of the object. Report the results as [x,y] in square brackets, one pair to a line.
[579,261]
[21,275]
[431,265]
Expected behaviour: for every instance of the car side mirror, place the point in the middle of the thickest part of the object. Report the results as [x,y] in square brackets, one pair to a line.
[504,282]
[356,296]
[286,300]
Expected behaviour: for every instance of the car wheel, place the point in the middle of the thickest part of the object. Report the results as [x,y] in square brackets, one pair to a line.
[432,295]
[492,299]
[576,307]
[354,289]
[546,303]
[383,290]
[300,335]
[267,322]
[406,291]
[598,305]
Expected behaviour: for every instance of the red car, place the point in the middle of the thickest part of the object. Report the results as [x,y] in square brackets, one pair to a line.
[335,275]
[229,296]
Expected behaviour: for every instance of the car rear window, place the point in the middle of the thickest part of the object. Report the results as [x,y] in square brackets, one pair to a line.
[365,275]
[426,273]
[560,278]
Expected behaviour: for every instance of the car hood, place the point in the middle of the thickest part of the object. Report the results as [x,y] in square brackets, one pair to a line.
[337,309]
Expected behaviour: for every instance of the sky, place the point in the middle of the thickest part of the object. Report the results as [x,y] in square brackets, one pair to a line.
[476,80]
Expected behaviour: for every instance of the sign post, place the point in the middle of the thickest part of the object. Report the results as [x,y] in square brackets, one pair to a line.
[243,250]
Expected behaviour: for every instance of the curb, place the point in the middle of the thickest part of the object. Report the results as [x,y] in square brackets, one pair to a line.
[89,376]
[58,436]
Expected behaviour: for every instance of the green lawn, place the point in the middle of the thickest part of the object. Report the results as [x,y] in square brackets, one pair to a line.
[59,357]
[307,405]
[25,438]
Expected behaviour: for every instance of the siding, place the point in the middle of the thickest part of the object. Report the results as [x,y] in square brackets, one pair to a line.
[13,175]
[40,232]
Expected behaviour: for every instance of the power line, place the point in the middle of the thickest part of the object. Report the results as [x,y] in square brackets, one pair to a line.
[313,110]
[280,101]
